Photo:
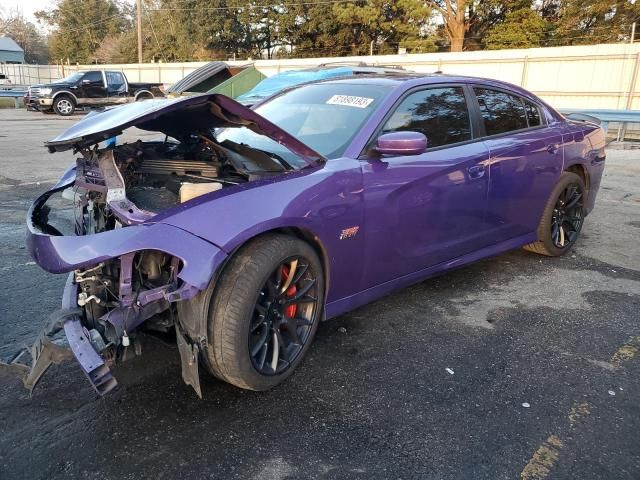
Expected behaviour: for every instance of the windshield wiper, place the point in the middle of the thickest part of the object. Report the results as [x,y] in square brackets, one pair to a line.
[277,157]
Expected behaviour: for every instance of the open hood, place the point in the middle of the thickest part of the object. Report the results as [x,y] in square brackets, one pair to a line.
[178,118]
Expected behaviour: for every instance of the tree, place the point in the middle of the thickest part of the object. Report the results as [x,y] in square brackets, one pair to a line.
[412,26]
[594,21]
[383,24]
[25,34]
[260,30]
[111,50]
[80,26]
[455,20]
[522,28]
[308,29]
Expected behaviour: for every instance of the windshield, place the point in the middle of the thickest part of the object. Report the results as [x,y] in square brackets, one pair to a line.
[324,116]
[73,78]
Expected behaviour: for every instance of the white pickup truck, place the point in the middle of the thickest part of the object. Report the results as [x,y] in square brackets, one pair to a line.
[5,82]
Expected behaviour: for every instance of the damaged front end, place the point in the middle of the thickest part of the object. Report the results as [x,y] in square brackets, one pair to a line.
[121,278]
[126,270]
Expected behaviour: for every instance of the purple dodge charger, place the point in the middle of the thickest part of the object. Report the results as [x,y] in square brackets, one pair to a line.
[239,230]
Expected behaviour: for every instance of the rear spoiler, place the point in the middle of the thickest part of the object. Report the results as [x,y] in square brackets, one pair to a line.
[583,117]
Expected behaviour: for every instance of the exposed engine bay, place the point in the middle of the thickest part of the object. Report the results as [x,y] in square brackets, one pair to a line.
[131,183]
[128,185]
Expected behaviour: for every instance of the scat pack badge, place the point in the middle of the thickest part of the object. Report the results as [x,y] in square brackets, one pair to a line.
[348,233]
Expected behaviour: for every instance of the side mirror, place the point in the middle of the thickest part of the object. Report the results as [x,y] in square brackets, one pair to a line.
[401,143]
[86,82]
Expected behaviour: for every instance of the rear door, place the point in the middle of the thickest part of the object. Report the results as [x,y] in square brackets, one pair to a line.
[116,87]
[421,210]
[526,161]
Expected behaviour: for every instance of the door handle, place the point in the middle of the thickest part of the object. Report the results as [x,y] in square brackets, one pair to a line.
[553,148]
[476,171]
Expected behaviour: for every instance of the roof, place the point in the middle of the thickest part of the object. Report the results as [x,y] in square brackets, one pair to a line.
[409,80]
[380,79]
[414,79]
[8,44]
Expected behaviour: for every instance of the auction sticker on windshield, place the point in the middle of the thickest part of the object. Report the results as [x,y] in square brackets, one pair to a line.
[350,101]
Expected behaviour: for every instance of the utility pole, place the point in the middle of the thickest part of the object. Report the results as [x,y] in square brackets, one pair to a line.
[633,32]
[139,10]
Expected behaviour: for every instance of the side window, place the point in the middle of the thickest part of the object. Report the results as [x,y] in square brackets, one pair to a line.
[500,111]
[440,113]
[115,81]
[533,114]
[94,77]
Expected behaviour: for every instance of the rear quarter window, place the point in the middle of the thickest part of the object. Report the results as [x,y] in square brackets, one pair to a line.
[533,114]
[501,111]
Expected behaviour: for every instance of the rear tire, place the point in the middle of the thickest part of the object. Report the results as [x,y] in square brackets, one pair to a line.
[64,105]
[563,217]
[257,332]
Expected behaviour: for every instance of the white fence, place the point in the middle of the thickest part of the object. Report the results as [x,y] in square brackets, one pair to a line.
[594,76]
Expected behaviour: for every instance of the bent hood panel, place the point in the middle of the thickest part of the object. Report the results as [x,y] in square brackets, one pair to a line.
[177,118]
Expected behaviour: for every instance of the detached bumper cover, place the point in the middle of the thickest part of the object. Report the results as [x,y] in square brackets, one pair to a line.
[90,361]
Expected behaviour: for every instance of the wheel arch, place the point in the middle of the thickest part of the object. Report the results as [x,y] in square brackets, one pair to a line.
[580,170]
[143,92]
[299,232]
[190,311]
[65,92]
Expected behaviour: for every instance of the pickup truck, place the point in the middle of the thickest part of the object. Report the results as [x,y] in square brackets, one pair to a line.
[5,82]
[90,88]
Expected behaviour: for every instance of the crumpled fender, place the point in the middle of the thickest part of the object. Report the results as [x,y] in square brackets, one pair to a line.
[60,253]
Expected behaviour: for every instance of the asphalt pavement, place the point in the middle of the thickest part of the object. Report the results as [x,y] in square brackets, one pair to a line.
[516,367]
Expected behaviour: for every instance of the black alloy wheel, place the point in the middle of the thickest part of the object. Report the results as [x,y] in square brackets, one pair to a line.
[283,316]
[563,217]
[567,218]
[262,312]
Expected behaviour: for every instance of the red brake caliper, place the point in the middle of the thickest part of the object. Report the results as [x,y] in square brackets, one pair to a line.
[291,310]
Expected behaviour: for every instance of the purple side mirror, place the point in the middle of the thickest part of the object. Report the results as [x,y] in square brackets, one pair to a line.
[401,143]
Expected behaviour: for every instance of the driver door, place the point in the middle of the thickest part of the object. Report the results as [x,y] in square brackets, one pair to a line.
[93,88]
[422,210]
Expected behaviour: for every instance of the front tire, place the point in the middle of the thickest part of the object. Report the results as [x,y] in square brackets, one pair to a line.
[563,216]
[264,312]
[64,105]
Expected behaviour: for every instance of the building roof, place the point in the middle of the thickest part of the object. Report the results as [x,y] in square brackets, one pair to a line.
[8,44]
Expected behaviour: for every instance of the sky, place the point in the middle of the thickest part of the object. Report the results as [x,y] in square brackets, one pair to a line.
[27,7]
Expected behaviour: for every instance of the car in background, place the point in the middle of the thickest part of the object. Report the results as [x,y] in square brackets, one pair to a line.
[217,77]
[239,230]
[88,88]
[5,82]
[276,83]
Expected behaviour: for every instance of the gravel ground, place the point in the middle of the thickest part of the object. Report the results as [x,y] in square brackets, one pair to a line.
[519,366]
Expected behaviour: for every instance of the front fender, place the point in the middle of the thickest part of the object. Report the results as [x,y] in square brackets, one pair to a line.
[59,253]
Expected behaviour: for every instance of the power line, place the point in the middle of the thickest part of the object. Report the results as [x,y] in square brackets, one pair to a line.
[254,7]
[154,35]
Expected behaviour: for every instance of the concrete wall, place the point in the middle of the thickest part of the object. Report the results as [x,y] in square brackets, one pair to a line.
[594,76]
